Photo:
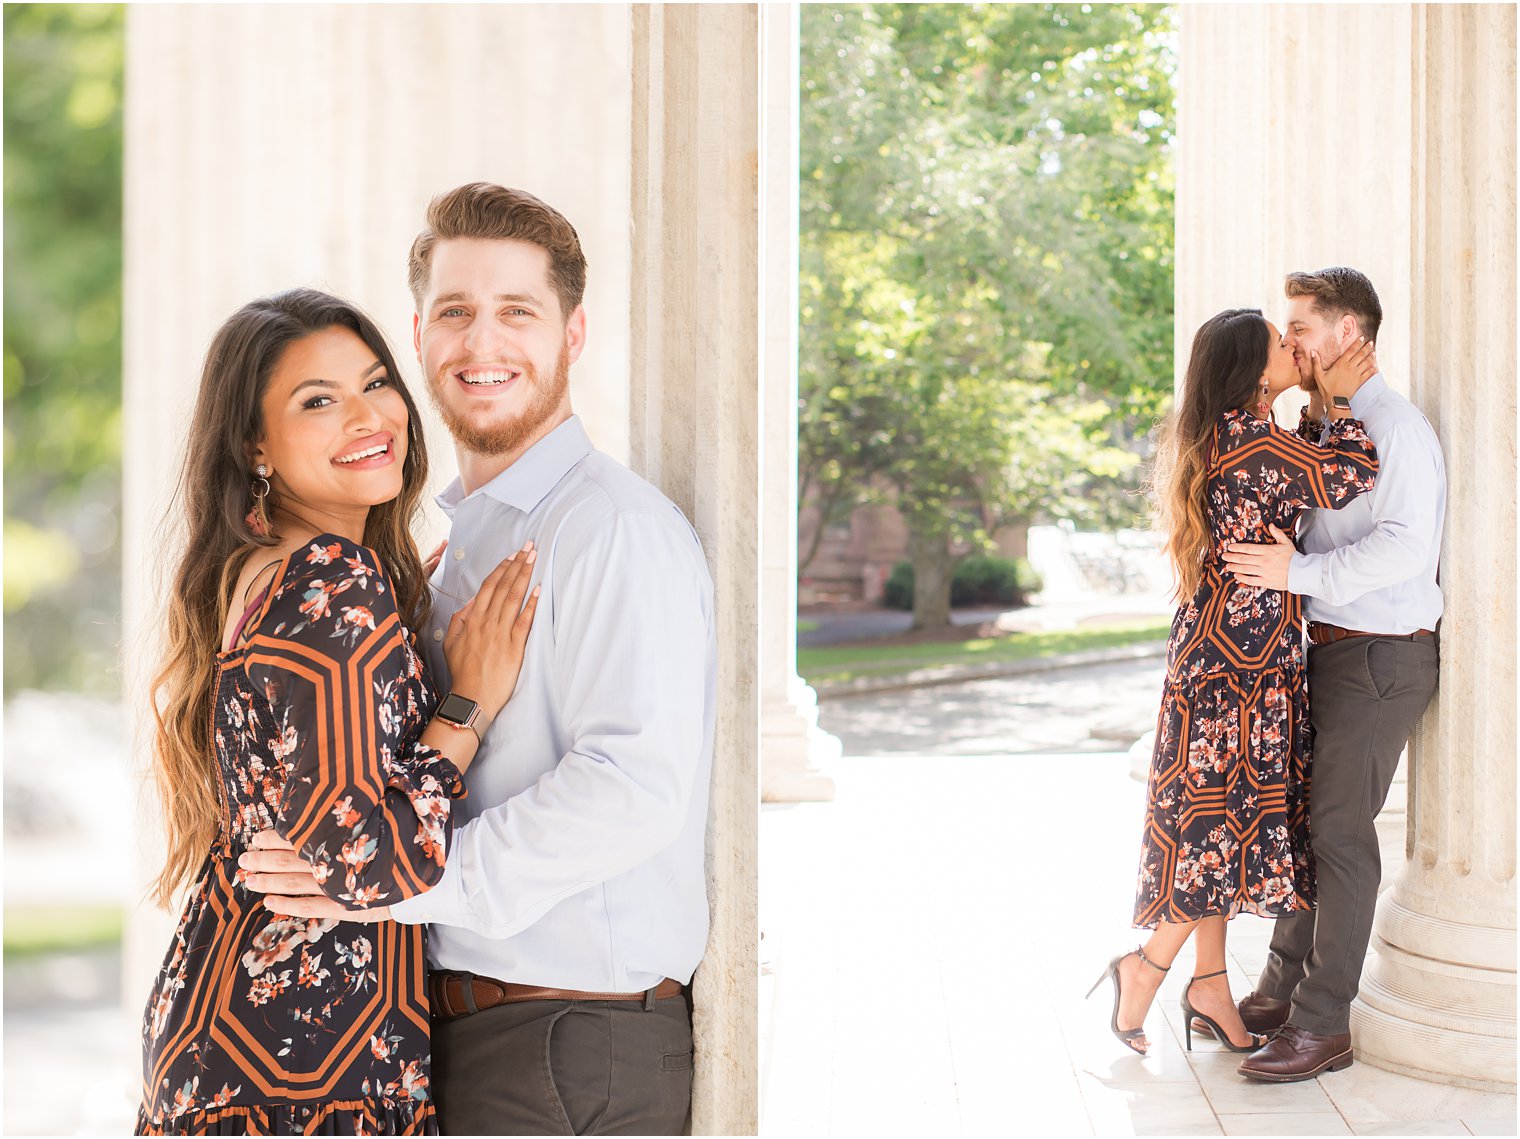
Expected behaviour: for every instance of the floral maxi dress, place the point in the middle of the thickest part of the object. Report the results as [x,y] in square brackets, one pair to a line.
[1227,803]
[260,1024]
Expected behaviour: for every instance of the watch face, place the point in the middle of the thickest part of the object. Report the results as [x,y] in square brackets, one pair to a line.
[456,709]
[1342,401]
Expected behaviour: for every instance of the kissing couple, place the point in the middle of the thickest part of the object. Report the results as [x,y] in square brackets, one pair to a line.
[1302,655]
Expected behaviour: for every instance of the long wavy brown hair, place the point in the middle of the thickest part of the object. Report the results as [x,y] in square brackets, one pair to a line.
[209,511]
[1230,352]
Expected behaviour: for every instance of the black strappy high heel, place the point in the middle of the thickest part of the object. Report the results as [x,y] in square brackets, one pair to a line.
[1127,1035]
[1189,1012]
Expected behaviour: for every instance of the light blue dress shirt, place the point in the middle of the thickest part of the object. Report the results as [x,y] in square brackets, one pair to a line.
[577,860]
[1371,565]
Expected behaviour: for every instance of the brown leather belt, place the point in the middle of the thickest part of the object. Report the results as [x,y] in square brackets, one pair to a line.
[459,994]
[1323,634]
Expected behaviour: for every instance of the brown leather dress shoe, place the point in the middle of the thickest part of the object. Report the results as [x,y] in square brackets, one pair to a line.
[1295,1054]
[1264,1015]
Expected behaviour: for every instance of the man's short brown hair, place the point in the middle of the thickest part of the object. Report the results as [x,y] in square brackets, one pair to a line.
[498,213]
[1338,291]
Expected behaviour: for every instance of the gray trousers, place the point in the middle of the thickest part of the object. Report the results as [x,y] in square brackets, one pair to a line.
[1365,696]
[565,1068]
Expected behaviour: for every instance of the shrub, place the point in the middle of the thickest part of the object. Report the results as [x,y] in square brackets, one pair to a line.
[977,581]
[898,592]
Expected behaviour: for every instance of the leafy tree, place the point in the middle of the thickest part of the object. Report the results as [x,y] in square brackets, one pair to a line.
[63,258]
[986,263]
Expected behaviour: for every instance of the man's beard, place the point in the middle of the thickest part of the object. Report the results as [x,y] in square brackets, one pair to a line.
[503,436]
[1306,369]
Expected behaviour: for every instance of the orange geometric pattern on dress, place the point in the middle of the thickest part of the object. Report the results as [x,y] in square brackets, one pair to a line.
[268,1023]
[1227,818]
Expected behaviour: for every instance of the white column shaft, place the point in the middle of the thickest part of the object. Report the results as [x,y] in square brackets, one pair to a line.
[695,431]
[1438,997]
[792,744]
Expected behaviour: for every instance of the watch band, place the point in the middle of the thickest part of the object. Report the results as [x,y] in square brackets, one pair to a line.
[459,712]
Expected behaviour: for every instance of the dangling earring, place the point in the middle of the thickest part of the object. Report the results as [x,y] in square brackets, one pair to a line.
[1264,405]
[257,519]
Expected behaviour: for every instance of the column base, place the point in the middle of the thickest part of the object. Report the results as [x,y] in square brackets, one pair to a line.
[793,747]
[1423,1014]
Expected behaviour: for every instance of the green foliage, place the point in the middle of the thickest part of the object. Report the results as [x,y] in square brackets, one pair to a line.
[834,664]
[35,930]
[977,581]
[986,258]
[897,593]
[994,581]
[63,266]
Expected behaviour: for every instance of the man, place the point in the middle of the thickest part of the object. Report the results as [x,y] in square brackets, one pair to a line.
[573,910]
[1368,572]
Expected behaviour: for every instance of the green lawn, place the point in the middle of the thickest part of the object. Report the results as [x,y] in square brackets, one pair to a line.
[806,626]
[835,663]
[51,929]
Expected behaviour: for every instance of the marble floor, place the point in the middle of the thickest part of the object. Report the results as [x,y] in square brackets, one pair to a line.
[927,941]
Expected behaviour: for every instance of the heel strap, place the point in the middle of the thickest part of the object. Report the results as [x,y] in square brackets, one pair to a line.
[1206,976]
[1140,953]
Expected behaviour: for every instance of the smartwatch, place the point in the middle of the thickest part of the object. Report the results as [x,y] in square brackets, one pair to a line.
[1341,402]
[459,712]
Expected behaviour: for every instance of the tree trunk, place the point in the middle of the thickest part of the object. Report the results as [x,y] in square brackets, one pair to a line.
[929,551]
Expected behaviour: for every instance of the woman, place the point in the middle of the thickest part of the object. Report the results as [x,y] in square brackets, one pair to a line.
[290,695]
[1227,825]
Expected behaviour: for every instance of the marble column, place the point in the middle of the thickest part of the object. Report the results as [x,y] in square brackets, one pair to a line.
[278,145]
[695,422]
[1438,997]
[793,747]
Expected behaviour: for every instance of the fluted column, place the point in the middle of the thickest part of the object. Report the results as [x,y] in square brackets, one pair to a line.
[1292,153]
[793,747]
[695,418]
[1438,997]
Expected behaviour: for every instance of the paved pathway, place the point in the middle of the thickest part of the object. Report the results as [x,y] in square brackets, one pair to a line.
[71,1041]
[1101,708]
[927,941]
[71,1048]
[927,937]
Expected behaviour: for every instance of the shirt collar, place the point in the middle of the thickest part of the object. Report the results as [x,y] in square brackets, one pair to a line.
[536,472]
[1368,394]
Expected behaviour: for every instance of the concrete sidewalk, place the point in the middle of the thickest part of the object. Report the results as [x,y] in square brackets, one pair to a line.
[936,675]
[73,1051]
[927,941]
